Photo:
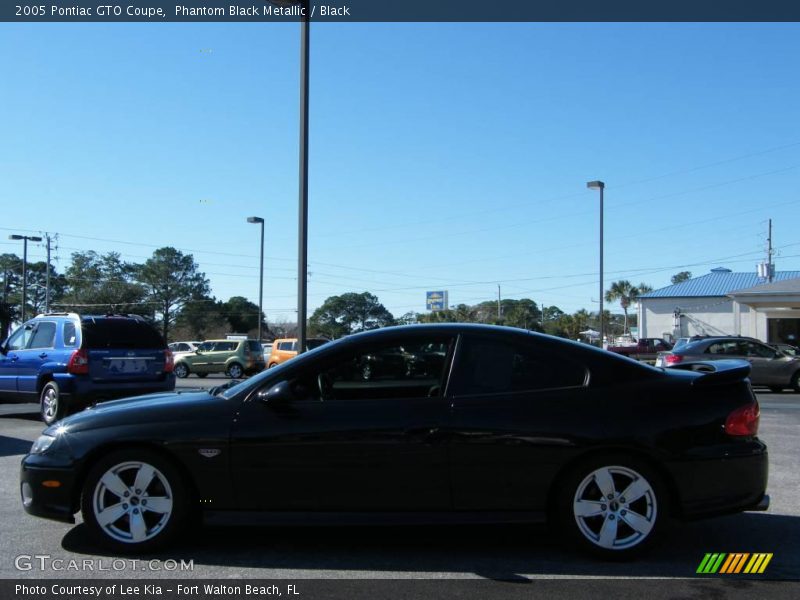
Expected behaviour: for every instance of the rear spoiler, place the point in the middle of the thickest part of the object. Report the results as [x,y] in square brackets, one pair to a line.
[717,371]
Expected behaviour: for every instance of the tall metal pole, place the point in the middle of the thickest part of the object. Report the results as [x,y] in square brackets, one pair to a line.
[599,185]
[498,301]
[602,312]
[302,254]
[24,275]
[47,277]
[261,286]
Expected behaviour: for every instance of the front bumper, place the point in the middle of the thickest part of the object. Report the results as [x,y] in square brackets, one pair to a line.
[46,501]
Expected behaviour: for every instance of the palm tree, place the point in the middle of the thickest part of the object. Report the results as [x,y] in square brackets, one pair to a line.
[626,293]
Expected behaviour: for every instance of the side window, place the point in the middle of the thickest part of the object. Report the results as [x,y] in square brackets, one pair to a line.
[494,367]
[206,347]
[70,334]
[44,335]
[20,338]
[391,371]
[729,348]
[285,346]
[759,350]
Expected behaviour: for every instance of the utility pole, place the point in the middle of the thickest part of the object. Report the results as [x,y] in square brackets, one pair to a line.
[770,267]
[498,301]
[47,277]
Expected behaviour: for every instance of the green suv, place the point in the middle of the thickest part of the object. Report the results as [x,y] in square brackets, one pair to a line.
[232,357]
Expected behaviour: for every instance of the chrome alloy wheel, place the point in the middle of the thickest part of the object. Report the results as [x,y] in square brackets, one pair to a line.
[50,404]
[132,502]
[615,508]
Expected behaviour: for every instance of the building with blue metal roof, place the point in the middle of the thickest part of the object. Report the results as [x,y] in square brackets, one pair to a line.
[723,302]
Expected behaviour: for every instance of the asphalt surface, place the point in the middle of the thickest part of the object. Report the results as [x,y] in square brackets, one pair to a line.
[497,553]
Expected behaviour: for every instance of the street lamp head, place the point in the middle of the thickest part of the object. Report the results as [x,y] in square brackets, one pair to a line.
[255,220]
[30,238]
[595,185]
[15,237]
[35,238]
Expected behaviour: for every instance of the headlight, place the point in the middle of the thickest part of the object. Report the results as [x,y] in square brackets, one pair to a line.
[41,445]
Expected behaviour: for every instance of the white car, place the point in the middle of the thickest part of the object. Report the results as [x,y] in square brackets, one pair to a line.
[183,347]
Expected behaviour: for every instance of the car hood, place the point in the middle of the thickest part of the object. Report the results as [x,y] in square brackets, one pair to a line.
[153,408]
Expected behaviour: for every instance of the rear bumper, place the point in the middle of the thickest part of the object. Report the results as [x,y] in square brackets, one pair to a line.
[81,391]
[734,483]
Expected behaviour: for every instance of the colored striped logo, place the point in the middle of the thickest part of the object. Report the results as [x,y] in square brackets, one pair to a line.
[734,563]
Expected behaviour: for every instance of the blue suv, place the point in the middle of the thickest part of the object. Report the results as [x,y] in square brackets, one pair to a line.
[66,361]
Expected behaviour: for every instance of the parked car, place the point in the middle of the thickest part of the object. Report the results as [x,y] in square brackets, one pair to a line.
[267,349]
[183,346]
[285,348]
[645,349]
[510,426]
[67,361]
[235,358]
[770,368]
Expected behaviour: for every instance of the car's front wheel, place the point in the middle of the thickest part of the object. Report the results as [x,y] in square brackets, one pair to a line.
[52,404]
[134,501]
[612,506]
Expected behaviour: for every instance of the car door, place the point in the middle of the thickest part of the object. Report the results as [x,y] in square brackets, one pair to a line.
[519,411]
[768,366]
[343,443]
[39,351]
[9,360]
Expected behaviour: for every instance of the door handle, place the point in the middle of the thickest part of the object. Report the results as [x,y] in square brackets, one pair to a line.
[43,355]
[14,358]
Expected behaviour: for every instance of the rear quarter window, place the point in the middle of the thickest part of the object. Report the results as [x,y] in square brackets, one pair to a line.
[120,333]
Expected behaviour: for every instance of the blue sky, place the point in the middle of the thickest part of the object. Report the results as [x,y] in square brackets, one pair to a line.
[442,156]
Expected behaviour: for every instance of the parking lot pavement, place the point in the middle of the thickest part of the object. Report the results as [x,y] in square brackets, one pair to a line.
[508,553]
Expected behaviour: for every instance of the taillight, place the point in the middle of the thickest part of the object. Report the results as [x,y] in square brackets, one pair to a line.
[744,420]
[78,363]
[169,361]
[673,359]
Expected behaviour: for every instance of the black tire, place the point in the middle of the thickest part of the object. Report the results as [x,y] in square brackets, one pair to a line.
[181,370]
[202,375]
[115,520]
[775,389]
[272,365]
[234,371]
[52,405]
[616,528]
[796,383]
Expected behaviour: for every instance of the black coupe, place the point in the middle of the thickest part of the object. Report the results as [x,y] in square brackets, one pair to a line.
[507,426]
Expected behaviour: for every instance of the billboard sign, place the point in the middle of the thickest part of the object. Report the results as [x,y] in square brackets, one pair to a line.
[436,300]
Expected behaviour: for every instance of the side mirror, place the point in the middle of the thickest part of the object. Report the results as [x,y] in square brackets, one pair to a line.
[279,394]
[3,349]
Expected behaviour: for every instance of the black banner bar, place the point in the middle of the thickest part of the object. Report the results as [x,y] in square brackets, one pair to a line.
[352,11]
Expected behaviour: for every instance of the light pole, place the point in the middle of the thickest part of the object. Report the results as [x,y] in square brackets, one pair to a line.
[24,239]
[260,275]
[599,185]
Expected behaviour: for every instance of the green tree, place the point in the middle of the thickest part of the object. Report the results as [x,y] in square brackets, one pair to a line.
[200,319]
[349,313]
[171,279]
[625,293]
[242,315]
[681,277]
[102,282]
[11,271]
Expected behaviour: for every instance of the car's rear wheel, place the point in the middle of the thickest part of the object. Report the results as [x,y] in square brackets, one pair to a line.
[53,407]
[181,371]
[612,506]
[775,389]
[796,383]
[134,501]
[235,371]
